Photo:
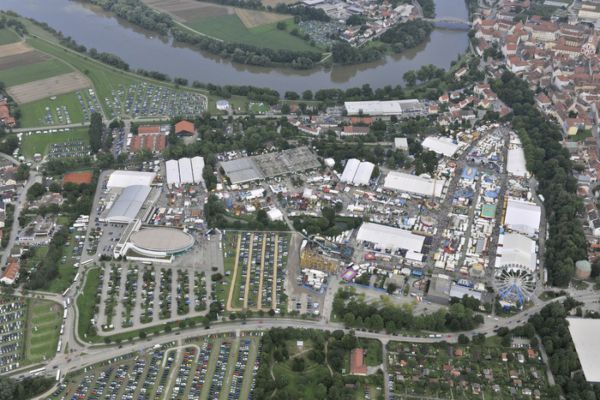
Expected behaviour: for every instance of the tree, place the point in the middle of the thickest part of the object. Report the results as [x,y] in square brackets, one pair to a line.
[35,191]
[307,95]
[281,25]
[463,339]
[95,132]
[391,288]
[410,77]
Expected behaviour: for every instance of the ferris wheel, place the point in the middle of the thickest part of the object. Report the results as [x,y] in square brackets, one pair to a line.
[515,285]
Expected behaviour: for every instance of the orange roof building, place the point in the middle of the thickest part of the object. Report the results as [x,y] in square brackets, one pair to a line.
[5,116]
[78,178]
[11,273]
[185,128]
[149,130]
[151,142]
[357,363]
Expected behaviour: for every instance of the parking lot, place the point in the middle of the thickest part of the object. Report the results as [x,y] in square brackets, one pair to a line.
[134,295]
[201,368]
[259,271]
[148,100]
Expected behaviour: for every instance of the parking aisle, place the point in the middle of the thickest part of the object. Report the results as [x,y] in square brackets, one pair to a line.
[119,309]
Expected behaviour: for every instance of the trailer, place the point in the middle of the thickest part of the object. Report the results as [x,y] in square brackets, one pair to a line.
[65,314]
[58,375]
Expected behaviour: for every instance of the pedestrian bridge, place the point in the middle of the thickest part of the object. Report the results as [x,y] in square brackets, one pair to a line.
[450,22]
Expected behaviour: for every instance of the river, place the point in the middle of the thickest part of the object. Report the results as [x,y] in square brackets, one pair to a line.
[94,28]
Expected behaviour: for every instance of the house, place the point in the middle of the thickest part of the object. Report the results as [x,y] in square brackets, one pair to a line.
[355,131]
[357,365]
[11,272]
[504,357]
[460,73]
[5,116]
[185,128]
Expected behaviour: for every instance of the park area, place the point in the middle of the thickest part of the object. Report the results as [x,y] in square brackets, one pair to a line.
[44,321]
[258,274]
[46,141]
[234,25]
[219,367]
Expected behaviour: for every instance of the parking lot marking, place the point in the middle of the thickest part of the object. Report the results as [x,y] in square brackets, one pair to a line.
[275,264]
[262,270]
[248,272]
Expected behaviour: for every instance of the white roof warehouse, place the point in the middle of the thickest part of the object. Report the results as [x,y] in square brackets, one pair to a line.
[384,108]
[388,237]
[414,184]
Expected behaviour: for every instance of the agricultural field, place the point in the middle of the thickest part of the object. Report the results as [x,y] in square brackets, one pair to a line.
[258,275]
[470,371]
[29,331]
[7,36]
[30,72]
[216,367]
[32,143]
[234,25]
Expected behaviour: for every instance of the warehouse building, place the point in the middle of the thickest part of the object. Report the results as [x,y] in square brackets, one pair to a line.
[516,251]
[123,179]
[389,238]
[522,216]
[417,185]
[583,332]
[407,107]
[128,204]
[441,145]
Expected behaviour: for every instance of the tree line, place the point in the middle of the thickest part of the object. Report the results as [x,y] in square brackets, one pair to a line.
[552,167]
[355,313]
[27,388]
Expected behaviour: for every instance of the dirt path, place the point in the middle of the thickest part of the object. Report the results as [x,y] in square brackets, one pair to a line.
[235,271]
[327,362]
[248,271]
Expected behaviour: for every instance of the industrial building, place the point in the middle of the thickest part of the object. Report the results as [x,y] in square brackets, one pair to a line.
[128,204]
[385,108]
[583,332]
[440,145]
[248,169]
[123,179]
[516,251]
[386,237]
[357,172]
[418,185]
[522,216]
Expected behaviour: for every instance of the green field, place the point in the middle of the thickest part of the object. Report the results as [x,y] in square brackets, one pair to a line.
[38,143]
[34,113]
[7,36]
[33,72]
[66,272]
[230,28]
[86,301]
[43,320]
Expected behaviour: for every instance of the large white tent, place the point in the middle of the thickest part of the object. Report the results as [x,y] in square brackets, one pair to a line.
[413,184]
[185,171]
[172,167]
[350,170]
[515,164]
[440,145]
[522,216]
[388,237]
[122,179]
[198,169]
[516,251]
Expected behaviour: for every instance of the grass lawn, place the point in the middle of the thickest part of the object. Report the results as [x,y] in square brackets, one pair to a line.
[258,108]
[33,72]
[66,272]
[43,327]
[86,301]
[38,143]
[374,354]
[303,384]
[34,113]
[231,29]
[7,36]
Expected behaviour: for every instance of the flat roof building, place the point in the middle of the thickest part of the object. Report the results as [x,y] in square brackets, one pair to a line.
[384,108]
[516,251]
[388,237]
[241,170]
[583,332]
[128,204]
[413,184]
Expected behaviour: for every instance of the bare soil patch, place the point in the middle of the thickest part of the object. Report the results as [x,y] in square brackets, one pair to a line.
[19,60]
[14,48]
[253,18]
[44,88]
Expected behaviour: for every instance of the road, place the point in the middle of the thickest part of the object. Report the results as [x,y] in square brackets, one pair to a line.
[34,177]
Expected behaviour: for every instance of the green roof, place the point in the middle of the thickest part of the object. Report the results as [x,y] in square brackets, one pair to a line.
[488,211]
